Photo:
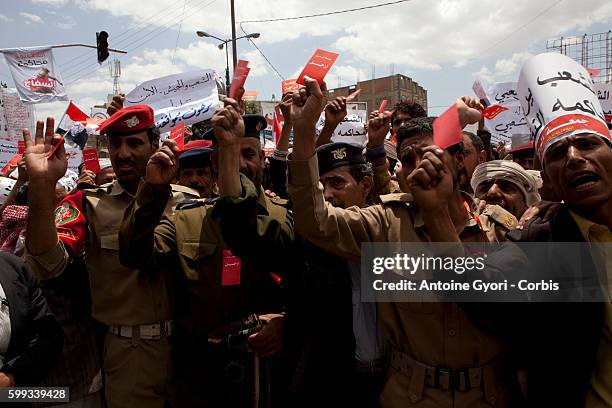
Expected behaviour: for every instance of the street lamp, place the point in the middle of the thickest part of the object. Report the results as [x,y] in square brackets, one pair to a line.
[222,45]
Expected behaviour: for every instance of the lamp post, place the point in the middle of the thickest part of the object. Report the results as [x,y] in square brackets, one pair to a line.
[224,44]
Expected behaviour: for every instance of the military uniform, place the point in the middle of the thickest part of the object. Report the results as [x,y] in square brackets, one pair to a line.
[439,357]
[134,304]
[220,290]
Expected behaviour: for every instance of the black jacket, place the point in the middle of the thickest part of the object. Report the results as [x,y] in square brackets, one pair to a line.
[559,340]
[36,337]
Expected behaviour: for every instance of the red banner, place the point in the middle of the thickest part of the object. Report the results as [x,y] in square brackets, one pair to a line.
[318,66]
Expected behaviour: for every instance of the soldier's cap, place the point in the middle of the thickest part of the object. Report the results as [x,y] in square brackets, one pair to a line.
[334,155]
[128,121]
[253,125]
[197,157]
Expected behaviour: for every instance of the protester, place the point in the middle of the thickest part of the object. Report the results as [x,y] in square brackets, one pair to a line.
[137,312]
[474,153]
[195,168]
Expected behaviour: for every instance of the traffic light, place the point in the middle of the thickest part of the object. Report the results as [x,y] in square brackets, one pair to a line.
[102,46]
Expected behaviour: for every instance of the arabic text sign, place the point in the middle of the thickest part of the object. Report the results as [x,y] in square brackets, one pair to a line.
[318,66]
[241,72]
[7,150]
[558,98]
[290,85]
[36,78]
[188,97]
[16,115]
[350,130]
[604,95]
[507,123]
[267,111]
[503,94]
[479,90]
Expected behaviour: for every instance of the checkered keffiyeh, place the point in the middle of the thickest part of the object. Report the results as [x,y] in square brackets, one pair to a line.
[12,221]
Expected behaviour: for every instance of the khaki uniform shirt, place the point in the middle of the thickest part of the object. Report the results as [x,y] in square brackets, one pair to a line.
[190,240]
[437,334]
[120,295]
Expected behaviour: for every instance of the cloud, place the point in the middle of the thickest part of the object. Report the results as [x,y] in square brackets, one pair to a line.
[67,23]
[5,18]
[53,3]
[31,18]
[506,69]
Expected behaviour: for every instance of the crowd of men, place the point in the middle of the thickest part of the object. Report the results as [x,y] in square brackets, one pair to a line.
[214,276]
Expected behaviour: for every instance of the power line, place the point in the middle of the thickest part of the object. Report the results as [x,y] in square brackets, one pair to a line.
[179,32]
[327,14]
[74,74]
[521,27]
[172,20]
[262,54]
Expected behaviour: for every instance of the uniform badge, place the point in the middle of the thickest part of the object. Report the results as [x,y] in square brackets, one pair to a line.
[339,154]
[133,121]
[509,221]
[66,214]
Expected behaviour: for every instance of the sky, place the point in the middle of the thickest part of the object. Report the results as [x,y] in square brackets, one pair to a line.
[444,45]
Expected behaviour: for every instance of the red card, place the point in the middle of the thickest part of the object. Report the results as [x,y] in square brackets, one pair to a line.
[90,158]
[353,95]
[447,128]
[241,72]
[57,143]
[492,111]
[231,269]
[318,66]
[20,146]
[12,162]
[250,96]
[593,71]
[290,85]
[383,105]
[178,135]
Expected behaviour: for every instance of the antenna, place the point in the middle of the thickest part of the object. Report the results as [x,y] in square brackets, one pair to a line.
[115,72]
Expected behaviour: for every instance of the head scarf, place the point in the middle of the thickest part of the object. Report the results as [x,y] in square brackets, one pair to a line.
[528,181]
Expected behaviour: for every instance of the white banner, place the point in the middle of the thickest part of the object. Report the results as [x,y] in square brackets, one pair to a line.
[15,115]
[7,150]
[604,94]
[559,100]
[188,97]
[98,113]
[75,158]
[507,123]
[36,78]
[350,130]
[503,94]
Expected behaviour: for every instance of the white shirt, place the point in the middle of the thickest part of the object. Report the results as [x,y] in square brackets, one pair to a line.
[5,325]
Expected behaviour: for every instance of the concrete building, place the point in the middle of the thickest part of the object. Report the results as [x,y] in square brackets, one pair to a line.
[394,88]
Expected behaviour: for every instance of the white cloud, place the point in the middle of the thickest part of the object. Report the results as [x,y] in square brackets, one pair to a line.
[67,23]
[506,69]
[5,18]
[31,18]
[53,3]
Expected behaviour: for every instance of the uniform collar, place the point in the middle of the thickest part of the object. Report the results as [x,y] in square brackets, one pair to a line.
[588,228]
[117,189]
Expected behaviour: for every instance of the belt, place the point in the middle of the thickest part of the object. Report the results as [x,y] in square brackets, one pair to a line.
[440,378]
[369,366]
[146,331]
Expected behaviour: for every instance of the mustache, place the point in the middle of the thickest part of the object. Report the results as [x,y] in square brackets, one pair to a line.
[128,162]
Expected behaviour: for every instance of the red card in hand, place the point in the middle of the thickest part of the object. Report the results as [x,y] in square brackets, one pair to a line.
[383,105]
[90,158]
[290,85]
[593,71]
[447,128]
[12,162]
[492,111]
[353,95]
[20,147]
[57,142]
[231,269]
[241,72]
[178,135]
[318,66]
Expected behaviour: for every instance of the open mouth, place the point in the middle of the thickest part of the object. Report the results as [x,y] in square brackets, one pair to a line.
[584,180]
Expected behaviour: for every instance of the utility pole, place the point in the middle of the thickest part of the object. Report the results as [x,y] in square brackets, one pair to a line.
[234,53]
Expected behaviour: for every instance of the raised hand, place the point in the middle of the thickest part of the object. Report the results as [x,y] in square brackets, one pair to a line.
[116,104]
[41,167]
[307,105]
[228,123]
[470,110]
[87,176]
[285,107]
[162,167]
[378,127]
[335,111]
[431,182]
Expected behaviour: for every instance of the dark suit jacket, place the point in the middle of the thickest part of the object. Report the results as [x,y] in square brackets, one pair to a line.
[36,337]
[559,340]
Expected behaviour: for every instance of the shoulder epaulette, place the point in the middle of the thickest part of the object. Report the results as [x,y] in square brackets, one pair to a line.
[500,216]
[194,203]
[396,198]
[183,189]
